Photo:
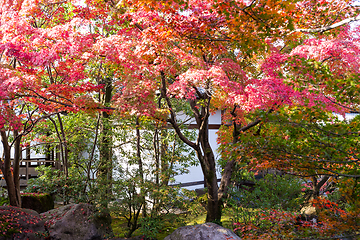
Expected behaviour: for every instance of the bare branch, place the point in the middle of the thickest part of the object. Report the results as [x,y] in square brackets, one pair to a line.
[255,122]
[172,119]
[330,27]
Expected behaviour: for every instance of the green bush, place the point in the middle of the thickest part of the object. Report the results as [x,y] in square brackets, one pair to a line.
[150,226]
[272,192]
[133,197]
[63,188]
[195,205]
[4,200]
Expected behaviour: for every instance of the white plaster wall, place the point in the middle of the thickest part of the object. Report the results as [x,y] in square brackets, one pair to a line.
[33,154]
[348,116]
[195,173]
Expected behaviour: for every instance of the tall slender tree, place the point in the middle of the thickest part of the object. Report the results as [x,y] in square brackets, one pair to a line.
[42,74]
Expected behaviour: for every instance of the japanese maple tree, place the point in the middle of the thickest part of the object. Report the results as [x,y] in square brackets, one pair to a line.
[227,55]
[312,141]
[42,74]
[215,55]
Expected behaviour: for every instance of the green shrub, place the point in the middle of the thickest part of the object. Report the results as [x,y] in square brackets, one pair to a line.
[150,226]
[4,200]
[63,188]
[272,192]
[195,205]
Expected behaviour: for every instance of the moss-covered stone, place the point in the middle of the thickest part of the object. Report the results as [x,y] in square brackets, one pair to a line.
[40,202]
[19,223]
[78,222]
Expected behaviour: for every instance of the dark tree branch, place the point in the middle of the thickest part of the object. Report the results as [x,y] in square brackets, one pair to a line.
[330,27]
[172,119]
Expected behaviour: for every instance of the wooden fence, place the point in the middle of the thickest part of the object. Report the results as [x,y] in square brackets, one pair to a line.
[27,170]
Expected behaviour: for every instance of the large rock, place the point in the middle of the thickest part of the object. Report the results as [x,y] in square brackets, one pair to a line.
[206,231]
[308,210]
[77,222]
[19,224]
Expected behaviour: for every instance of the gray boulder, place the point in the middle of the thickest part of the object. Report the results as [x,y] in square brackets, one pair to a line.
[206,231]
[20,223]
[77,222]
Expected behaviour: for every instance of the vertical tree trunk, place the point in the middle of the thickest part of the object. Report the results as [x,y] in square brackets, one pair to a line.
[203,150]
[16,164]
[140,164]
[64,145]
[164,157]
[214,203]
[105,143]
[91,158]
[156,146]
[61,153]
[208,165]
[13,191]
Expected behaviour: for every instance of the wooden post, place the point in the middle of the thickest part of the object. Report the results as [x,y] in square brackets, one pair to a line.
[27,163]
[52,158]
[57,158]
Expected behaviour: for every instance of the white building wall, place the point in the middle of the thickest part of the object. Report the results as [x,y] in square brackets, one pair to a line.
[33,154]
[195,173]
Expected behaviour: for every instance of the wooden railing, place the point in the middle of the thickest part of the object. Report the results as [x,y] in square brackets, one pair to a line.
[27,170]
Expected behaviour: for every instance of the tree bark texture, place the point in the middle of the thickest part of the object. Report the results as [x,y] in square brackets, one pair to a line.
[12,180]
[203,150]
[105,140]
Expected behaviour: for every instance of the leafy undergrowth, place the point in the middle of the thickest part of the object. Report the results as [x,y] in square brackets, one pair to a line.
[269,224]
[119,225]
[328,222]
[8,225]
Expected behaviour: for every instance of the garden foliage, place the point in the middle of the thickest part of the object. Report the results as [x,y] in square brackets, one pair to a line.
[277,70]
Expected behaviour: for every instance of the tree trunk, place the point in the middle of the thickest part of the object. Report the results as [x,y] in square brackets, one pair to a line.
[316,186]
[13,190]
[208,166]
[214,203]
[105,141]
[64,145]
[165,167]
[16,165]
[203,149]
[140,164]
[157,156]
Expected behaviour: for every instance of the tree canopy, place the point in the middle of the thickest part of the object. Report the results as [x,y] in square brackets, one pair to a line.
[250,59]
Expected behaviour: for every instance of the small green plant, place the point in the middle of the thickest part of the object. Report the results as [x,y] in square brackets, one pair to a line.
[272,192]
[64,188]
[150,226]
[45,235]
[194,205]
[4,200]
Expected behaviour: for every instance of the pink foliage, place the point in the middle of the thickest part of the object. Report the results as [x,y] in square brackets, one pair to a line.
[49,69]
[144,43]
[339,53]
